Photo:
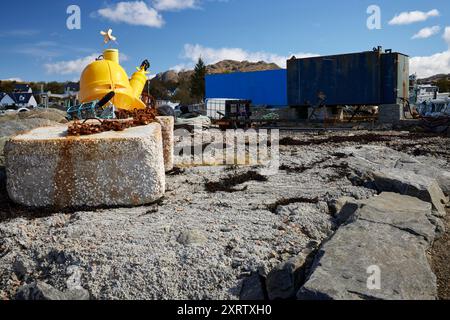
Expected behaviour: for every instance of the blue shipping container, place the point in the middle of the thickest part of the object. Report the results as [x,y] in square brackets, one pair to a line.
[262,87]
[365,78]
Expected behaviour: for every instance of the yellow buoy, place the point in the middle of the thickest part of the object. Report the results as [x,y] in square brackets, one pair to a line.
[106,75]
[111,55]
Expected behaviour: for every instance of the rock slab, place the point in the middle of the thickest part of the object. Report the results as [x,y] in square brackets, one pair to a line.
[252,289]
[42,291]
[408,183]
[45,168]
[366,159]
[389,235]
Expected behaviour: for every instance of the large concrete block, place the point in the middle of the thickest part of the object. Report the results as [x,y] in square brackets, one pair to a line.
[390,113]
[167,126]
[45,168]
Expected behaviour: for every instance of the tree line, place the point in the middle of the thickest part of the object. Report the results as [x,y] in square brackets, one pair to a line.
[187,91]
[444,85]
[54,87]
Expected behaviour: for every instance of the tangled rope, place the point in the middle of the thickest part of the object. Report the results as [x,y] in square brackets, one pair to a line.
[125,119]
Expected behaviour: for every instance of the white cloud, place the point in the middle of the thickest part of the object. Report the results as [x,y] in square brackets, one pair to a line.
[213,55]
[168,5]
[134,13]
[427,32]
[447,35]
[70,67]
[38,52]
[413,16]
[182,66]
[431,65]
[75,66]
[123,57]
[41,50]
[13,79]
[19,33]
[435,64]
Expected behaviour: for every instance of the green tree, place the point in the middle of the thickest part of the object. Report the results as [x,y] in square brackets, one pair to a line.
[7,86]
[183,93]
[198,81]
[55,87]
[36,86]
[444,85]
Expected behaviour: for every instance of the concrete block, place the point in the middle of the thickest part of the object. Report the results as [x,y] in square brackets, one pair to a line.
[324,113]
[45,168]
[167,127]
[390,113]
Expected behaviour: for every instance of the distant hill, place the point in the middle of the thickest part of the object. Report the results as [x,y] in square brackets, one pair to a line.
[225,66]
[434,79]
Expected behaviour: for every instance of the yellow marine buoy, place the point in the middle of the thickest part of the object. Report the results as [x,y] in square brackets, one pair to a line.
[105,75]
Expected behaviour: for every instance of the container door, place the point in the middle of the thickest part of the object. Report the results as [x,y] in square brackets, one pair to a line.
[403,77]
[395,85]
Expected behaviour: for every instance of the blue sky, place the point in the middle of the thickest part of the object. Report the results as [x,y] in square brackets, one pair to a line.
[37,45]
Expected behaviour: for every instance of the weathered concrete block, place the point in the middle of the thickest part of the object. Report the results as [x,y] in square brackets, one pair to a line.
[389,234]
[167,128]
[45,168]
[390,113]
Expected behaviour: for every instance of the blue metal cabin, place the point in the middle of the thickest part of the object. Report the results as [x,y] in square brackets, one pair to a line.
[268,88]
[366,78]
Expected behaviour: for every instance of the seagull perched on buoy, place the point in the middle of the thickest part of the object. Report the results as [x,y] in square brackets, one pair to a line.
[107,35]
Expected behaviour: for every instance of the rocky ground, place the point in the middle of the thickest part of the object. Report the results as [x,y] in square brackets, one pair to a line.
[11,124]
[440,258]
[219,232]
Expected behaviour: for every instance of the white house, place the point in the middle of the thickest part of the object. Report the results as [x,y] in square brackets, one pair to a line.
[22,97]
[24,100]
[5,100]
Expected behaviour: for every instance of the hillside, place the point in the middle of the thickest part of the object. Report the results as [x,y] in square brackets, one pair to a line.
[434,79]
[225,66]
